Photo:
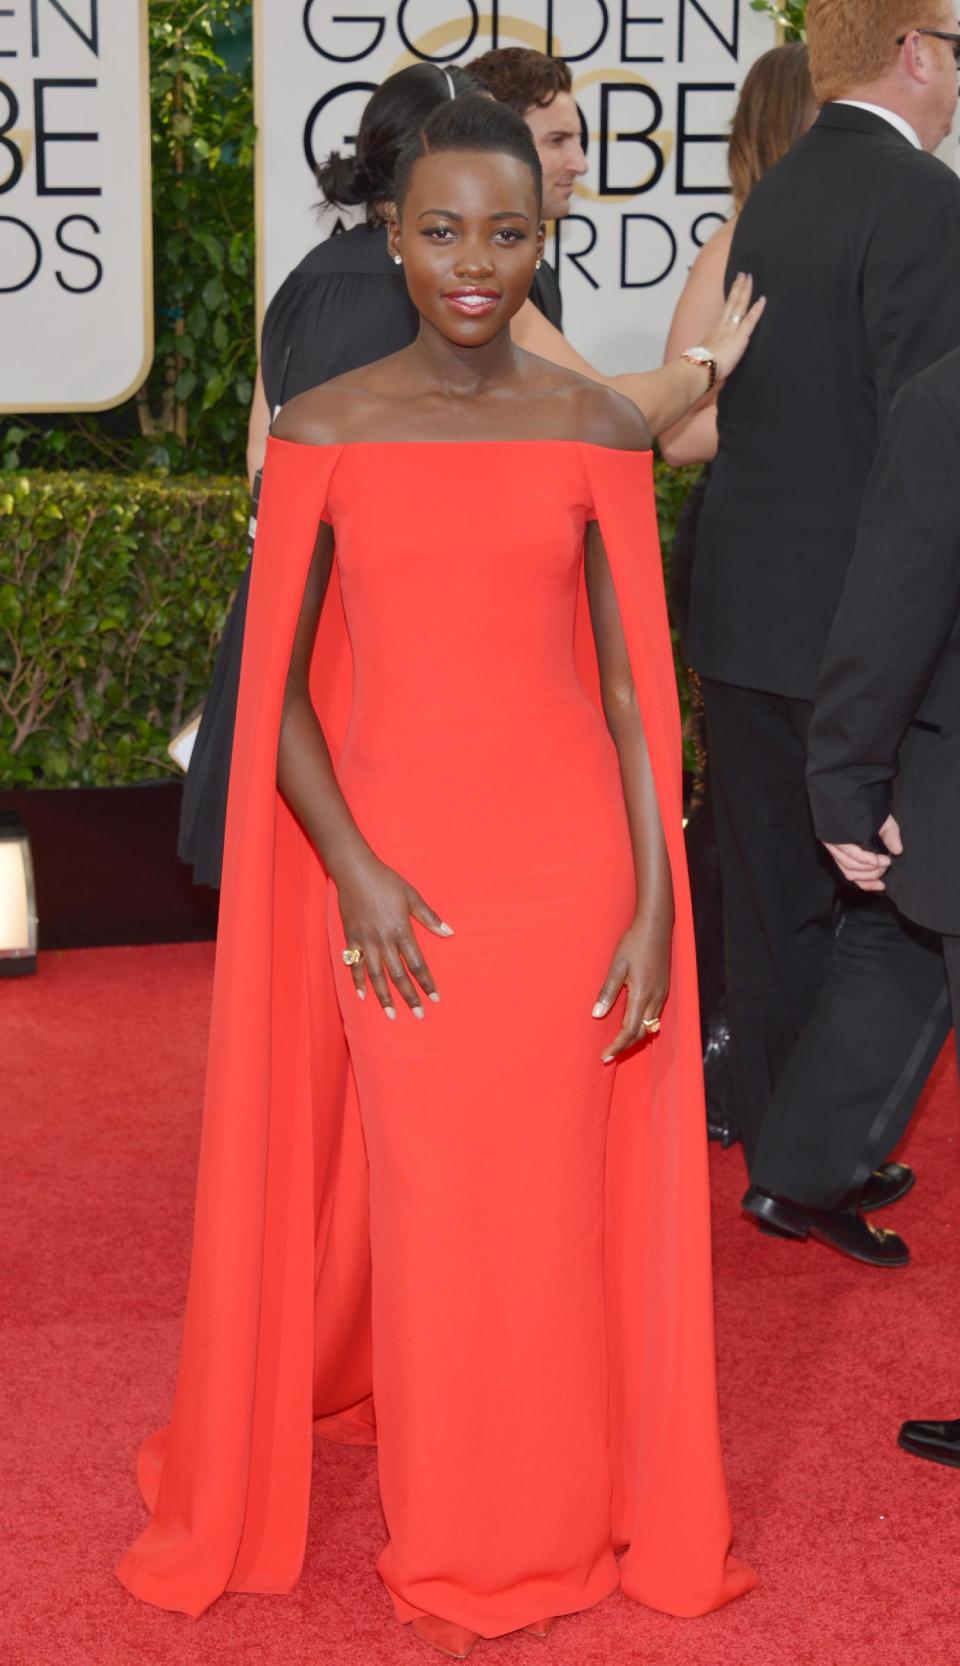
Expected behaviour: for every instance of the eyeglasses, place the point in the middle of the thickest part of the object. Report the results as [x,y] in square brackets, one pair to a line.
[936,34]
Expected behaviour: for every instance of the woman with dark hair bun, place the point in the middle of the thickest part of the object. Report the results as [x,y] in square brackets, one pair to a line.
[453,1192]
[343,306]
[399,106]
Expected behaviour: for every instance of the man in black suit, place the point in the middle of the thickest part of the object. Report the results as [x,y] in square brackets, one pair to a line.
[854,237]
[883,763]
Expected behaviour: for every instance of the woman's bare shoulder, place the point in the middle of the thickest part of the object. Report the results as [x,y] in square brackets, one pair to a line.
[717,246]
[588,410]
[701,300]
[705,280]
[610,419]
[334,413]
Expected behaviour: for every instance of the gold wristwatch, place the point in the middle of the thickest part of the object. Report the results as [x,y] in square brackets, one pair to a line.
[702,357]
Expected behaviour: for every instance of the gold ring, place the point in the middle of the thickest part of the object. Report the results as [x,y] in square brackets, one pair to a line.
[651,1025]
[352,957]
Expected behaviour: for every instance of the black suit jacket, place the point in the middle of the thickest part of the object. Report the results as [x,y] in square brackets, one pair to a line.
[854,237]
[886,727]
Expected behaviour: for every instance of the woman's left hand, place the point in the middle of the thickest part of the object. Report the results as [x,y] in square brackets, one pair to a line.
[641,961]
[728,339]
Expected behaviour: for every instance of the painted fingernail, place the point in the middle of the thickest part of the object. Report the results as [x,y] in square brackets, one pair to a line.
[390,1012]
[445,930]
[417,1012]
[607,1058]
[434,996]
[361,994]
[599,1009]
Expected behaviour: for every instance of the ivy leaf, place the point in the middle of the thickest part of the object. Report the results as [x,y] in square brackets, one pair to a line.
[202,134]
[213,246]
[214,389]
[213,293]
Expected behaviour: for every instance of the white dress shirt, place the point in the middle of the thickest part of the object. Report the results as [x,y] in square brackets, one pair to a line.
[888,115]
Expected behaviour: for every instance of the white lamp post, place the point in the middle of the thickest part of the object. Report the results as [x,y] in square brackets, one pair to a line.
[18,903]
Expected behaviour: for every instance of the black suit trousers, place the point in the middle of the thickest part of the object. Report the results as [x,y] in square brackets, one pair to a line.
[951,956]
[838,1008]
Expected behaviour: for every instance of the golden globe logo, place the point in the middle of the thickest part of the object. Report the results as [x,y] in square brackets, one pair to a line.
[656,84]
[634,139]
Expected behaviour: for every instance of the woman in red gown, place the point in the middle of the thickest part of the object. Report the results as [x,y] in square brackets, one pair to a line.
[453,1180]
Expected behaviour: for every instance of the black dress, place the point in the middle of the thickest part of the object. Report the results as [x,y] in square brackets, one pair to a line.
[344,306]
[703,859]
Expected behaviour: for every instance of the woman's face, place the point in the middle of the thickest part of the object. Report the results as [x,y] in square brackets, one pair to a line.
[470,236]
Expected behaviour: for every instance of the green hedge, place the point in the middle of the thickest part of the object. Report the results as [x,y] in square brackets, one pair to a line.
[113,594]
[190,416]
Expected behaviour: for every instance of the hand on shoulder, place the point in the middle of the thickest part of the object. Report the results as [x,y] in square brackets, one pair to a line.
[609,418]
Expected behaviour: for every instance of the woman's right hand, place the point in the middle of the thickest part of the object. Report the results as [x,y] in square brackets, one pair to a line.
[729,338]
[376,908]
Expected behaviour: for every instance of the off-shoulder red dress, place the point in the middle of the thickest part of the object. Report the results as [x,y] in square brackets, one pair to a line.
[466,1233]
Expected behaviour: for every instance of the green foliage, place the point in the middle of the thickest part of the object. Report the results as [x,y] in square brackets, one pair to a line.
[671,489]
[791,15]
[113,595]
[114,590]
[192,413]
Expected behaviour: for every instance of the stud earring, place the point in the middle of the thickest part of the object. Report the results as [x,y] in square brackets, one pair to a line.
[398,260]
[539,264]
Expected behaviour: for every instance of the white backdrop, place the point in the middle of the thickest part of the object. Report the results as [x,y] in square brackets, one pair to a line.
[656,81]
[76,308]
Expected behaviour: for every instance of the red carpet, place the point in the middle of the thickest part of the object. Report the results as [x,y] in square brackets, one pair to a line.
[857,1545]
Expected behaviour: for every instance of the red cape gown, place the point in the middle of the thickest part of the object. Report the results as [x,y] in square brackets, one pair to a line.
[276,1332]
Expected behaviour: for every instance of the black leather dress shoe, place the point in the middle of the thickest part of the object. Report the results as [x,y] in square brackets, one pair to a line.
[887,1184]
[938,1441]
[840,1229]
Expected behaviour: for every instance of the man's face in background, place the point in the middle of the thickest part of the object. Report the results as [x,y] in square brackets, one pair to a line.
[556,134]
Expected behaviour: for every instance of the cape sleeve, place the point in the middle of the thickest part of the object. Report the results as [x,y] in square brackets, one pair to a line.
[228,1480]
[669,1499]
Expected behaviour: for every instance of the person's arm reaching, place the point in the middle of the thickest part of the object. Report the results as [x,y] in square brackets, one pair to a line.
[899,603]
[376,903]
[640,962]
[667,394]
[694,438]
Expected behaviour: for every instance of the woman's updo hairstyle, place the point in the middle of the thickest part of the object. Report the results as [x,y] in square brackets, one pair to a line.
[399,108]
[469,123]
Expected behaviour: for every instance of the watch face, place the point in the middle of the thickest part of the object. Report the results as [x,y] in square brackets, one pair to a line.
[701,354]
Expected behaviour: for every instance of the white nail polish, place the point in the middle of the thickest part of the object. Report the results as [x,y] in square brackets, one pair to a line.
[445,930]
[390,1012]
[607,1058]
[417,1012]
[434,996]
[361,994]
[599,1010]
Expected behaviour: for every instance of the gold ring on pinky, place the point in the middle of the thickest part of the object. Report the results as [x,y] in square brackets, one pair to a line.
[352,957]
[651,1025]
